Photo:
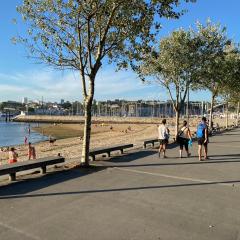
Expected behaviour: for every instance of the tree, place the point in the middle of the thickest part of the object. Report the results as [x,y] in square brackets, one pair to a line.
[230,88]
[174,66]
[211,73]
[79,35]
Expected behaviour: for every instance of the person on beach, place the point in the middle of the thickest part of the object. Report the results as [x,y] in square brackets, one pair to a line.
[52,140]
[29,129]
[31,151]
[25,140]
[12,155]
[183,138]
[202,137]
[163,136]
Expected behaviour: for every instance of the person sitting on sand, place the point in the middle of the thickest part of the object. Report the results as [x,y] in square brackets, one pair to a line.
[12,156]
[31,152]
[51,140]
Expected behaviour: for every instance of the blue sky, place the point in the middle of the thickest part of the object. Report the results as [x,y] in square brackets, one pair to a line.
[20,77]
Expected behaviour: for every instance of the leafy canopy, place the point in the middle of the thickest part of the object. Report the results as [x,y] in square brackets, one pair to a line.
[79,34]
[174,65]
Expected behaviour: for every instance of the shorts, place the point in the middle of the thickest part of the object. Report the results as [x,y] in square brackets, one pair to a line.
[163,141]
[183,142]
[201,141]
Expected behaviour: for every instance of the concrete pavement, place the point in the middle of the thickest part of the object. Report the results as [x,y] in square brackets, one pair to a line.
[136,196]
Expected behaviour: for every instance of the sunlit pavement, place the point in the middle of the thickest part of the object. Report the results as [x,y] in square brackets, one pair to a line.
[135,196]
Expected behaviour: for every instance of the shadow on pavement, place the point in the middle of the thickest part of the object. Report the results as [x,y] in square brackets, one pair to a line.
[32,184]
[120,160]
[176,163]
[94,191]
[131,156]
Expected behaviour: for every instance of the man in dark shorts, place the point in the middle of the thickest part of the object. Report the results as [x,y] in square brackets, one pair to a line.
[202,137]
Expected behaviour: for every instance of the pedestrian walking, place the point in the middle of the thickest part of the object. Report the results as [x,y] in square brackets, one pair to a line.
[31,151]
[12,155]
[163,136]
[183,138]
[202,137]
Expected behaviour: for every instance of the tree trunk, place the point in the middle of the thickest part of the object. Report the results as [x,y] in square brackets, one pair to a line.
[211,112]
[238,106]
[226,114]
[177,121]
[88,101]
[86,132]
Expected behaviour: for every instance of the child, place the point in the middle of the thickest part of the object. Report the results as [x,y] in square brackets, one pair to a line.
[31,151]
[12,155]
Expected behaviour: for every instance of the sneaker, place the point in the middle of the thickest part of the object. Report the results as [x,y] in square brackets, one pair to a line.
[189,155]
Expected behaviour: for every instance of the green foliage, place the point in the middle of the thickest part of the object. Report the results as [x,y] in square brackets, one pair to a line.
[174,65]
[79,34]
[230,89]
[212,44]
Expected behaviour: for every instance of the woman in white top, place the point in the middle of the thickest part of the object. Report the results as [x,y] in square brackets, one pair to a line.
[163,136]
[184,135]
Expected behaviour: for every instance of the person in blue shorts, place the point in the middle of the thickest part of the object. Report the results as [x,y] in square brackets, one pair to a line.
[202,138]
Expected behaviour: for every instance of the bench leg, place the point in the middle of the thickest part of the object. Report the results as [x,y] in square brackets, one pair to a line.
[92,158]
[121,151]
[108,154]
[144,146]
[12,177]
[43,170]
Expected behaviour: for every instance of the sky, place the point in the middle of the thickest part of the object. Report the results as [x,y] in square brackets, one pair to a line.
[21,77]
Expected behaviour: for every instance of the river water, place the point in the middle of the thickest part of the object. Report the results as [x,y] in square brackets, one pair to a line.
[13,133]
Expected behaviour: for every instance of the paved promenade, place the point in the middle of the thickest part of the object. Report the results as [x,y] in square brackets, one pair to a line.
[133,197]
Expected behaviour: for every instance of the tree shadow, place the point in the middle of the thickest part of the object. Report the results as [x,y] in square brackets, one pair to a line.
[128,189]
[130,156]
[26,185]
[215,161]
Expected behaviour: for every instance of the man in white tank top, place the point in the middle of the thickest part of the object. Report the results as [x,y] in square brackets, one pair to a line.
[163,136]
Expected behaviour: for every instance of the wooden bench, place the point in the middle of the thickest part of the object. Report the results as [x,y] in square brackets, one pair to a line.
[42,163]
[150,141]
[108,150]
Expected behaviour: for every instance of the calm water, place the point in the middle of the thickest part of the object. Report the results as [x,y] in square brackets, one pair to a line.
[12,133]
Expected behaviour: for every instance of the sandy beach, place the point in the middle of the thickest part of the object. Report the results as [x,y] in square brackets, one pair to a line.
[102,135]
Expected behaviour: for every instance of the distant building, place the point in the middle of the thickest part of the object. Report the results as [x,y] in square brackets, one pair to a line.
[62,101]
[25,100]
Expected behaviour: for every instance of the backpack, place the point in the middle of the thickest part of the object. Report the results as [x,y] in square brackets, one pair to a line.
[180,132]
[200,130]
